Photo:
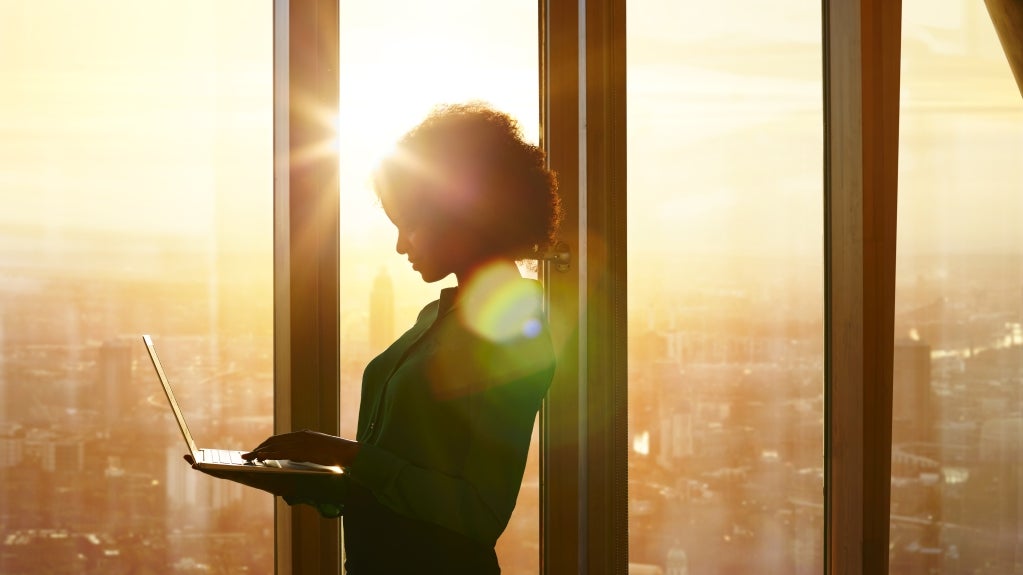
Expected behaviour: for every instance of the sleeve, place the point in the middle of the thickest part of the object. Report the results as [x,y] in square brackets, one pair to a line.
[477,504]
[326,494]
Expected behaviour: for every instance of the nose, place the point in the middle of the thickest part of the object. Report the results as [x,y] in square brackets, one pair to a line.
[401,246]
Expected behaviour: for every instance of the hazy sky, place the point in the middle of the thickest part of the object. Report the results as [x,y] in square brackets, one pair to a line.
[155,118]
[126,116]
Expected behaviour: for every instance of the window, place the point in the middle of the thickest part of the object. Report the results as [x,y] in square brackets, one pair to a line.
[725,282]
[957,426]
[186,92]
[393,71]
[136,171]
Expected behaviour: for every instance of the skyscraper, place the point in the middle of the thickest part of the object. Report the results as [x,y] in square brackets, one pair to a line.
[678,562]
[381,312]
[6,383]
[998,505]
[912,417]
[115,381]
[913,429]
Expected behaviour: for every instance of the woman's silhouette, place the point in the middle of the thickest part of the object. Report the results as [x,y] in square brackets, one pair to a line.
[447,410]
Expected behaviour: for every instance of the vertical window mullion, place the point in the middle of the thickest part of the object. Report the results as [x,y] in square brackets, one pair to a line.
[560,458]
[306,258]
[584,436]
[605,287]
[861,61]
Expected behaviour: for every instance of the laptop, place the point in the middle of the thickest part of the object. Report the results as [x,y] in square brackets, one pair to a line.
[207,459]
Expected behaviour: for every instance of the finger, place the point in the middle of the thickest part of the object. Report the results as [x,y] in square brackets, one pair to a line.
[282,439]
[268,441]
[262,447]
[270,452]
[261,453]
[275,454]
[282,455]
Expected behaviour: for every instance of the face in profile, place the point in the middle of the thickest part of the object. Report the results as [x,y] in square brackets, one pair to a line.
[436,243]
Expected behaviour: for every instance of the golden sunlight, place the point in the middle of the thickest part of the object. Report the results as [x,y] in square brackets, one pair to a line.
[395,71]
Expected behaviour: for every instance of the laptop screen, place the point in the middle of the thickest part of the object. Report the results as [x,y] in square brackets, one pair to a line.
[170,396]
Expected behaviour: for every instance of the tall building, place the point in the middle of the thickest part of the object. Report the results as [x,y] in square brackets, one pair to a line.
[912,417]
[65,456]
[185,487]
[997,505]
[676,441]
[7,396]
[381,312]
[921,549]
[678,562]
[115,383]
[12,450]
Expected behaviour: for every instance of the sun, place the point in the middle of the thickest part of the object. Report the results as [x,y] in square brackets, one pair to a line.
[367,132]
[394,72]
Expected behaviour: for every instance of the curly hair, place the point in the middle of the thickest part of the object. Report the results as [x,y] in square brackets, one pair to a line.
[471,163]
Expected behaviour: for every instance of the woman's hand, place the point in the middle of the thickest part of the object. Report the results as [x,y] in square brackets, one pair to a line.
[306,445]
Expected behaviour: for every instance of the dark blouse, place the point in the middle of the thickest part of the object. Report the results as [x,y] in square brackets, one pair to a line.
[445,422]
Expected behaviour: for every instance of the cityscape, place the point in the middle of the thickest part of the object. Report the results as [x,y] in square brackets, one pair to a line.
[725,419]
[726,474]
[150,210]
[92,478]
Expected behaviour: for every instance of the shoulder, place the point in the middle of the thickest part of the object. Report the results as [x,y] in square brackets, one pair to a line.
[429,312]
[503,340]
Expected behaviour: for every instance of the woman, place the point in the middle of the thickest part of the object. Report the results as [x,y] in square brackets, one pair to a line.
[448,409]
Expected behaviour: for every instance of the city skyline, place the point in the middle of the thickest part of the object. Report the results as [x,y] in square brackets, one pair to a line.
[138,188]
[721,376]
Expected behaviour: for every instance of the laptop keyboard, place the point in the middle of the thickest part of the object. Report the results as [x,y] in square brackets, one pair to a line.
[223,456]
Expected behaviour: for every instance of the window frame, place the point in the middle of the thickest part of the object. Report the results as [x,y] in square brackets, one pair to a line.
[862,61]
[585,476]
[306,265]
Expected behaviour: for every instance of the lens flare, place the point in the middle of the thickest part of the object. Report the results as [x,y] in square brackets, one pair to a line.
[500,306]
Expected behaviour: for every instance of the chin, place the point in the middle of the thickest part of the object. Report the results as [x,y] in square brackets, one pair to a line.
[432,278]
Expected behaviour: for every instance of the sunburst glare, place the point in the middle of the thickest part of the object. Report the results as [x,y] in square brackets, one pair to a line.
[498,308]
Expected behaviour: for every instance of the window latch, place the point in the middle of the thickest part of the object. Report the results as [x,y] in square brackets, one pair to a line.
[559,256]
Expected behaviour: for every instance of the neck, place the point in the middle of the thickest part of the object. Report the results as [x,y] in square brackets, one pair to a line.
[493,271]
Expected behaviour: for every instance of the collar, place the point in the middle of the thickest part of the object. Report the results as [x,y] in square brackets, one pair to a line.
[448,299]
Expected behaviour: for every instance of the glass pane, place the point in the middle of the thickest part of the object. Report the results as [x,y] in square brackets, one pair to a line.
[393,72]
[957,462]
[136,177]
[725,287]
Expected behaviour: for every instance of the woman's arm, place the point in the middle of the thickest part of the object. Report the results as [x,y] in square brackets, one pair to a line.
[327,494]
[306,445]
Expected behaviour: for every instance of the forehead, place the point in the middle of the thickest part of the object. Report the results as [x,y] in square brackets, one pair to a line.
[411,186]
[391,209]
[409,204]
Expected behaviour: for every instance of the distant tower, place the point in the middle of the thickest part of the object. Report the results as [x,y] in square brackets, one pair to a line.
[66,455]
[676,438]
[912,420]
[6,381]
[678,562]
[183,487]
[381,312]
[12,450]
[999,475]
[115,381]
